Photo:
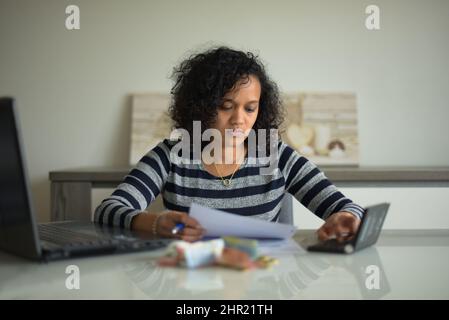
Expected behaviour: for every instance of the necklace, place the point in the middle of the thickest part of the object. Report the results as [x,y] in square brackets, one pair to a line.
[226,182]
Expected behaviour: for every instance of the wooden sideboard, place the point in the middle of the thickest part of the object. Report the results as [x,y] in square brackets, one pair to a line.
[71,190]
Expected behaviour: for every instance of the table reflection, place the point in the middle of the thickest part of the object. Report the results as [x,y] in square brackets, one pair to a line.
[300,275]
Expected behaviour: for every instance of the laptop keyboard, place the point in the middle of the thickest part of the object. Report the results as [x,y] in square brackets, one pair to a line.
[73,240]
[66,237]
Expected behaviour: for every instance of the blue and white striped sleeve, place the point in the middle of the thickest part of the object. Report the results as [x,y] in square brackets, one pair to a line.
[139,188]
[307,183]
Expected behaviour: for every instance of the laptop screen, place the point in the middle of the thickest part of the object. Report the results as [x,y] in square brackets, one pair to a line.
[17,227]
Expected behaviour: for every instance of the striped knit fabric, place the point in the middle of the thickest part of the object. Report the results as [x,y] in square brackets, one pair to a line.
[250,194]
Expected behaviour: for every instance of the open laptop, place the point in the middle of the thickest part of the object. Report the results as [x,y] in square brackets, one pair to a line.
[19,232]
[367,234]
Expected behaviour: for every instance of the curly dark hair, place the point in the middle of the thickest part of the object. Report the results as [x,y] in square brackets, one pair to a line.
[202,80]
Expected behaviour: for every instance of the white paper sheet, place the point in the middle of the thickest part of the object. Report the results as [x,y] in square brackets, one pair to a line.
[219,223]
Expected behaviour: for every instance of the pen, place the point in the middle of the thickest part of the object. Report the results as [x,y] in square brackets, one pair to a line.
[177,228]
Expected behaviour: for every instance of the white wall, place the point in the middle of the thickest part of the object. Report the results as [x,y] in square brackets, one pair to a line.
[72,86]
[410,207]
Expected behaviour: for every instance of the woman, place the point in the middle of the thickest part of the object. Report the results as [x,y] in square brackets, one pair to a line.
[229,91]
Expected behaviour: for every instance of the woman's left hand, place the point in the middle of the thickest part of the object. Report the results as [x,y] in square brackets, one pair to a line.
[340,225]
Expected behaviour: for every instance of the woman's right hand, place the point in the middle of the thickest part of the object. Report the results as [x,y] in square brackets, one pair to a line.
[167,221]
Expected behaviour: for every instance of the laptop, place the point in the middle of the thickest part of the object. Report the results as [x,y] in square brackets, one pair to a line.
[367,234]
[19,232]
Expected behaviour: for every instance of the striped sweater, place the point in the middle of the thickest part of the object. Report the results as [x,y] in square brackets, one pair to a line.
[250,194]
